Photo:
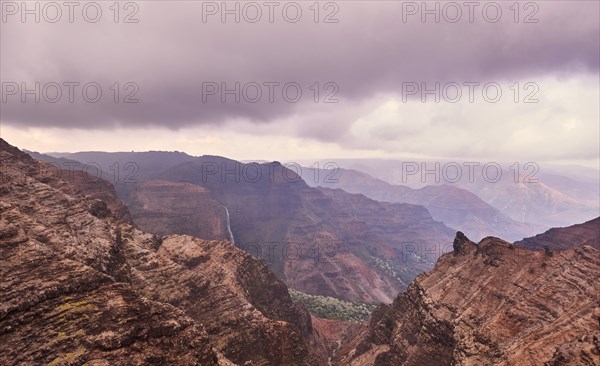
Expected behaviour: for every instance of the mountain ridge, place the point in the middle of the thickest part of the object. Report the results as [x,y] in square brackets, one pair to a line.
[452,205]
[120,295]
[489,303]
[587,233]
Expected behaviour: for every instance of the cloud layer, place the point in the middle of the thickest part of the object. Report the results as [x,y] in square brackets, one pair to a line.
[368,57]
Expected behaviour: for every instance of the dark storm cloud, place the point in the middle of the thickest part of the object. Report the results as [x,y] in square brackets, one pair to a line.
[371,51]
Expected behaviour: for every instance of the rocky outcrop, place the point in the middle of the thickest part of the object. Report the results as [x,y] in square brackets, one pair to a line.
[80,285]
[246,311]
[491,303]
[89,179]
[565,238]
[462,245]
[59,305]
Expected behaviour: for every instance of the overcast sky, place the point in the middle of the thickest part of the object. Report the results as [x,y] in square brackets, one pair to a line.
[368,59]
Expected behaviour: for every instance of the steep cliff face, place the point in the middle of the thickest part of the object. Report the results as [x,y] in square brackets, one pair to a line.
[164,207]
[246,311]
[320,241]
[491,303]
[565,238]
[57,309]
[375,248]
[80,284]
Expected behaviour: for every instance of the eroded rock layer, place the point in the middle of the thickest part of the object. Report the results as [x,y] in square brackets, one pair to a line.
[80,284]
[587,233]
[491,303]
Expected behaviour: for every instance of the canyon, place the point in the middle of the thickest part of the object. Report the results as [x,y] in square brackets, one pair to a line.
[317,240]
[83,283]
[80,284]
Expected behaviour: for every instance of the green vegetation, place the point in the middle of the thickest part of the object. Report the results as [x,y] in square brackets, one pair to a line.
[332,308]
[68,358]
[388,268]
[78,306]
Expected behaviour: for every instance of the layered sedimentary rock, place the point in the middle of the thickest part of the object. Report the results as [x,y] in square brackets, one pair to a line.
[587,233]
[164,207]
[80,284]
[319,241]
[491,303]
[322,242]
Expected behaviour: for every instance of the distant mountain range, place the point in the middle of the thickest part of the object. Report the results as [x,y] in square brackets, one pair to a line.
[454,206]
[539,195]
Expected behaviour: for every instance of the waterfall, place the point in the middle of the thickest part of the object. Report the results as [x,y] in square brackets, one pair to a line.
[229,226]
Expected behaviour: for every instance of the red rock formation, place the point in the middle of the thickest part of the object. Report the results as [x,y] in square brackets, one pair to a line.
[491,303]
[565,238]
[80,285]
[322,242]
[164,207]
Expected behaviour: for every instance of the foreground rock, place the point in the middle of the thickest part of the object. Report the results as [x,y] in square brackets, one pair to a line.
[491,303]
[80,284]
